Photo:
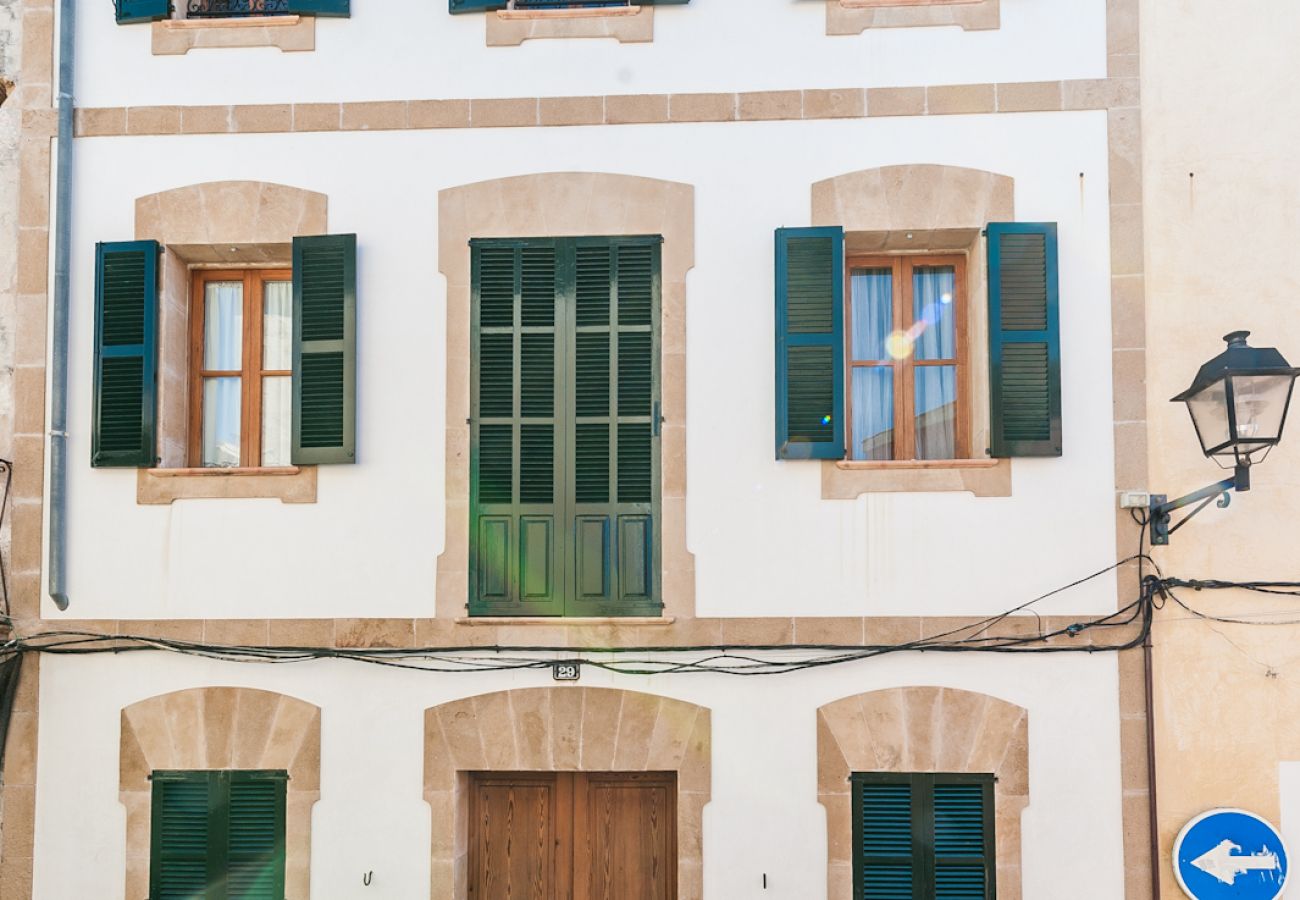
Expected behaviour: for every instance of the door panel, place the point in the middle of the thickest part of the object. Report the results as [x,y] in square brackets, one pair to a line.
[512,849]
[625,835]
[573,836]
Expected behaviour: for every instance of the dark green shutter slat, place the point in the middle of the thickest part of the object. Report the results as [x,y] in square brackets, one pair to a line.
[1024,339]
[179,856]
[959,820]
[887,820]
[256,837]
[810,343]
[337,8]
[131,11]
[565,381]
[124,416]
[515,562]
[324,349]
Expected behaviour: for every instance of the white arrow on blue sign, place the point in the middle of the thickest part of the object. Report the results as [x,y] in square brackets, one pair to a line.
[1230,854]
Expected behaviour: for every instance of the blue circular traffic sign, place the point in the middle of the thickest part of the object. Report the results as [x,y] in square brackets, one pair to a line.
[1230,854]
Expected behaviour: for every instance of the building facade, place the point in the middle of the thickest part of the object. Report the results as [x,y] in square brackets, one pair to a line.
[582,334]
[1224,690]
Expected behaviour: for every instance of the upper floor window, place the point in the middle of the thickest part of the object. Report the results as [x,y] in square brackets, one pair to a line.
[907,358]
[154,10]
[565,487]
[241,358]
[923,836]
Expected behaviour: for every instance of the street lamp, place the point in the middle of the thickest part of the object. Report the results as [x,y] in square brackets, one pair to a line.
[1238,403]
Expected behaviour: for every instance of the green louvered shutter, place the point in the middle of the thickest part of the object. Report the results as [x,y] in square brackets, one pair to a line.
[810,343]
[324,349]
[255,866]
[131,11]
[516,430]
[963,835]
[614,389]
[182,839]
[1024,339]
[337,8]
[883,835]
[124,426]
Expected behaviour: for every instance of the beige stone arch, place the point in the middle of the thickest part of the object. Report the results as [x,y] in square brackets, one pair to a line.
[924,208]
[922,729]
[563,729]
[221,728]
[568,204]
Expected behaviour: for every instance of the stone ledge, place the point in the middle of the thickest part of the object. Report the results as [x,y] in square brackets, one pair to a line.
[290,484]
[176,37]
[625,24]
[848,17]
[576,621]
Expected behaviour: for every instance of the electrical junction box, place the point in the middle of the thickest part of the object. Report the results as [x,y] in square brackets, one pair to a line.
[1134,500]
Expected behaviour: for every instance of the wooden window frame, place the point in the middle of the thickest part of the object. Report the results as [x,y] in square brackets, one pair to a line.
[901,267]
[251,372]
[569,831]
[922,786]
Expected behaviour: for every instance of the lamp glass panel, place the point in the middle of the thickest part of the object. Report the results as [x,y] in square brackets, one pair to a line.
[1260,402]
[1209,410]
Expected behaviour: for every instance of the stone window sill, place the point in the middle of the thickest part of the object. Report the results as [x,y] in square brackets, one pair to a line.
[873,4]
[849,480]
[626,24]
[288,484]
[174,37]
[587,621]
[856,16]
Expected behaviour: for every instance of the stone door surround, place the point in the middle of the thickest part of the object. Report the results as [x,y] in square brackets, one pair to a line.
[922,729]
[563,729]
[221,728]
[568,204]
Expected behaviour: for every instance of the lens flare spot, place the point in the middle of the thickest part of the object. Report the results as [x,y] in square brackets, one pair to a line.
[826,419]
[899,344]
[946,297]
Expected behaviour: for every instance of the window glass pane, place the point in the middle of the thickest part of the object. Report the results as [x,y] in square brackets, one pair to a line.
[277,325]
[872,293]
[873,412]
[277,419]
[936,412]
[934,312]
[223,326]
[221,421]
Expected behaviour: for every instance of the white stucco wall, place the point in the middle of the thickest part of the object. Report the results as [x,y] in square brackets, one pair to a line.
[763,818]
[396,49]
[765,542]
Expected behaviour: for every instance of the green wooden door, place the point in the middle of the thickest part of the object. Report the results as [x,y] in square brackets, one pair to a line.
[564,488]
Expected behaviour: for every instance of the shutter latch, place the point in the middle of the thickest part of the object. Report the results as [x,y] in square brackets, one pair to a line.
[655,419]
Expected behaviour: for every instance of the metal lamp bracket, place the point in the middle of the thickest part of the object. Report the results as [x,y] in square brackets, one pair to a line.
[1162,508]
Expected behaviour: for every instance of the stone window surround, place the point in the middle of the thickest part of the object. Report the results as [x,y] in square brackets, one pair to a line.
[220,728]
[175,37]
[568,204]
[856,16]
[627,24]
[923,729]
[923,208]
[226,224]
[563,729]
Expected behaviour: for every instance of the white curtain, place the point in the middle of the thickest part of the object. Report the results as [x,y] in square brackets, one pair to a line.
[872,298]
[223,341]
[935,338]
[277,355]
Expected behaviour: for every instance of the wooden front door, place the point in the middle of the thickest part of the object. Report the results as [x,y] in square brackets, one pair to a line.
[573,836]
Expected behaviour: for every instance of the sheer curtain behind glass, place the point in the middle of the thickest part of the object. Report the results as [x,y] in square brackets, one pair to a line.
[277,361]
[223,345]
[872,388]
[934,327]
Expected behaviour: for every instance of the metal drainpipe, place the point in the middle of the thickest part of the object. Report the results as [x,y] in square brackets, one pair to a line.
[59,323]
[1148,654]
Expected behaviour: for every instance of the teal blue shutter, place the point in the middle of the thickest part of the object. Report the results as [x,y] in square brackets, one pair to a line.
[614,388]
[124,413]
[324,349]
[516,430]
[883,838]
[963,835]
[218,835]
[810,343]
[923,836]
[255,862]
[130,11]
[337,8]
[182,838]
[1024,339]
